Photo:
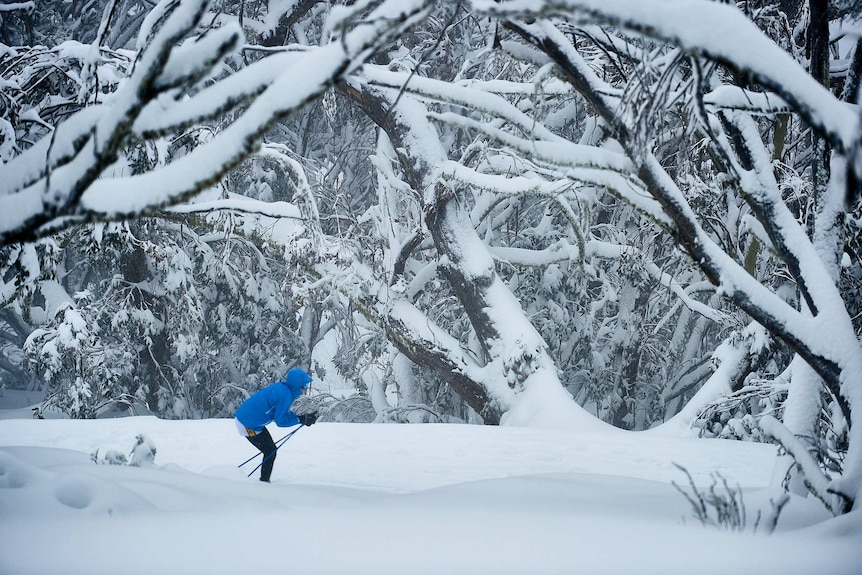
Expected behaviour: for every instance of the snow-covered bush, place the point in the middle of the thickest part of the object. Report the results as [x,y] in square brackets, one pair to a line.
[111,457]
[189,324]
[80,372]
[737,416]
[142,454]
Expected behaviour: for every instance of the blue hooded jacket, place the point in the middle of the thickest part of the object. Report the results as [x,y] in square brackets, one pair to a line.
[273,402]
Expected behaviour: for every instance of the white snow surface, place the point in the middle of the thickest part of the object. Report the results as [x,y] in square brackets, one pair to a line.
[392,499]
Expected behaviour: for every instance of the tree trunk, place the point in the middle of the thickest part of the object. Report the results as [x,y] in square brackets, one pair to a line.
[514,351]
[152,356]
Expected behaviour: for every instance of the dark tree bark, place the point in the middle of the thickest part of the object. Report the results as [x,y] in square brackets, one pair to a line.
[287,20]
[470,291]
[151,357]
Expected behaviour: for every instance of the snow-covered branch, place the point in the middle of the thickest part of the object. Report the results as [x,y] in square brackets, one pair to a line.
[31,211]
[77,188]
[838,358]
[702,27]
[274,210]
[12,6]
[513,350]
[816,482]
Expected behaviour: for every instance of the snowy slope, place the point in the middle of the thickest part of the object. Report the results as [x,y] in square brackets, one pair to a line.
[352,498]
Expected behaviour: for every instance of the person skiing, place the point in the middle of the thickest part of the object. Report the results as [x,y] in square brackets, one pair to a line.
[272,403]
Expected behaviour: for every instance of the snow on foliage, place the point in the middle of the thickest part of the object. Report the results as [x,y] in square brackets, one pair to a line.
[538,213]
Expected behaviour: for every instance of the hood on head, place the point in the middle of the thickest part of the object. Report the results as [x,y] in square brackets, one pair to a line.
[297,379]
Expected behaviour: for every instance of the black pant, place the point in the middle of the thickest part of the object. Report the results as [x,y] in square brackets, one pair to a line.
[263,441]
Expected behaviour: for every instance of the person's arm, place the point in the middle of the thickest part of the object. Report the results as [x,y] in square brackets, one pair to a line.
[284,417]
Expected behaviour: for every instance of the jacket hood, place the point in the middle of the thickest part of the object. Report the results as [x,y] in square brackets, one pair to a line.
[296,379]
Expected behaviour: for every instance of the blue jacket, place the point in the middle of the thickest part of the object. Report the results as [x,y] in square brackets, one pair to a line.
[273,403]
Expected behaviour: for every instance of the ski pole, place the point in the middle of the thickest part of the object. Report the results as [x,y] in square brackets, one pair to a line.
[277,445]
[249,459]
[281,442]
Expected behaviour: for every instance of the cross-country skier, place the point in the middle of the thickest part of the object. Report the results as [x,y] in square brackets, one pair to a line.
[272,403]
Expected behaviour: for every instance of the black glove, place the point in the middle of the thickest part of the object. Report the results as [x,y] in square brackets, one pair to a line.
[308,418]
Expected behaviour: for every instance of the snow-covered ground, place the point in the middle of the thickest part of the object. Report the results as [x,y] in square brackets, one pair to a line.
[392,499]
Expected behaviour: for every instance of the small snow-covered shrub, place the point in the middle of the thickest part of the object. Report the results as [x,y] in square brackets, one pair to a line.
[111,457]
[143,454]
[414,414]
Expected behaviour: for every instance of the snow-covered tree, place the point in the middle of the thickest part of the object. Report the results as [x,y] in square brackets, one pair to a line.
[652,206]
[161,299]
[724,89]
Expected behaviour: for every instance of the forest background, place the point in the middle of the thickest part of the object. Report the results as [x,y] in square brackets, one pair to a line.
[520,212]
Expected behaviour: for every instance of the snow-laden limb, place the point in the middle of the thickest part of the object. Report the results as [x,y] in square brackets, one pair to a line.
[307,76]
[161,117]
[552,151]
[191,61]
[786,236]
[827,340]
[705,27]
[563,251]
[513,353]
[48,153]
[547,87]
[559,251]
[736,284]
[817,483]
[736,98]
[510,186]
[26,210]
[719,266]
[12,6]
[75,187]
[623,185]
[586,164]
[240,204]
[430,89]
